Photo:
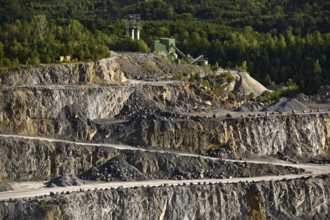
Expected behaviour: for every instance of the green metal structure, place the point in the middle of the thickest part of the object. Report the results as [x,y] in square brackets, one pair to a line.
[167,45]
[164,45]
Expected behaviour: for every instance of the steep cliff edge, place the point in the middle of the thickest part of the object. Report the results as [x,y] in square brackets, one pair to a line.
[47,109]
[306,198]
[105,71]
[303,135]
[90,113]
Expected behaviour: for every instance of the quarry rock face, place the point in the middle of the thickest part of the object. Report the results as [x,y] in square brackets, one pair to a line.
[59,111]
[300,135]
[291,199]
[36,160]
[42,109]
[116,69]
[74,113]
[127,123]
[105,71]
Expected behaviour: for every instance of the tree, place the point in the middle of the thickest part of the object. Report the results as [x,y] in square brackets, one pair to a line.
[143,47]
[317,69]
[39,24]
[1,53]
[244,66]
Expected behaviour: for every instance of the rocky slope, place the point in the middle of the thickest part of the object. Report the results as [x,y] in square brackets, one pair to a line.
[127,99]
[292,199]
[117,69]
[44,109]
[36,160]
[88,113]
[303,135]
[101,72]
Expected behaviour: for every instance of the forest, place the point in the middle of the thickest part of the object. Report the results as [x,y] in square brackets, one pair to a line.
[276,40]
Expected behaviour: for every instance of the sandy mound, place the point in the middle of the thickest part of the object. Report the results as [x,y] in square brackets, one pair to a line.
[249,85]
[244,83]
[286,105]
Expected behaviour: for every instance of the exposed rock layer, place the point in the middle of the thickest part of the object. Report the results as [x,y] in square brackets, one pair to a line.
[303,135]
[34,160]
[116,69]
[101,72]
[291,199]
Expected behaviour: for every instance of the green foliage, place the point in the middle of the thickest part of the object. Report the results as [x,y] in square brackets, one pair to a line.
[244,66]
[43,42]
[180,76]
[274,40]
[268,81]
[215,66]
[53,153]
[267,96]
[195,77]
[251,96]
[225,78]
[290,90]
[142,46]
[206,83]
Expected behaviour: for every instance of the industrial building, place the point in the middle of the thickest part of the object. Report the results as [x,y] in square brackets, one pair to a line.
[164,44]
[167,45]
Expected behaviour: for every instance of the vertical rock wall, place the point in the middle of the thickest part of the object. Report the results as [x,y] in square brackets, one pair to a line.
[291,199]
[304,135]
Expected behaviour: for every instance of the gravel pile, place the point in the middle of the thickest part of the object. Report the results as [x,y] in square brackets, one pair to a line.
[5,187]
[137,105]
[249,107]
[323,95]
[116,169]
[286,105]
[64,181]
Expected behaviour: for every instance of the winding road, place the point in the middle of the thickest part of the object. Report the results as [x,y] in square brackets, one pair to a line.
[33,189]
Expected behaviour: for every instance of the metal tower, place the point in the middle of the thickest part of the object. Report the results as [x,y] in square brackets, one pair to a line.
[133,26]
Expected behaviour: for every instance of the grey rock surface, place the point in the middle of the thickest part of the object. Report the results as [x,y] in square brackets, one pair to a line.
[287,105]
[60,114]
[306,135]
[64,181]
[105,71]
[249,107]
[5,187]
[34,160]
[291,199]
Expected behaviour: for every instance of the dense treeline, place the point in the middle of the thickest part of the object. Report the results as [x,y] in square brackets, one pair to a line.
[271,58]
[276,39]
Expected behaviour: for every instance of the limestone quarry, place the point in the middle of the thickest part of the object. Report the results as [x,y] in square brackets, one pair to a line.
[127,138]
